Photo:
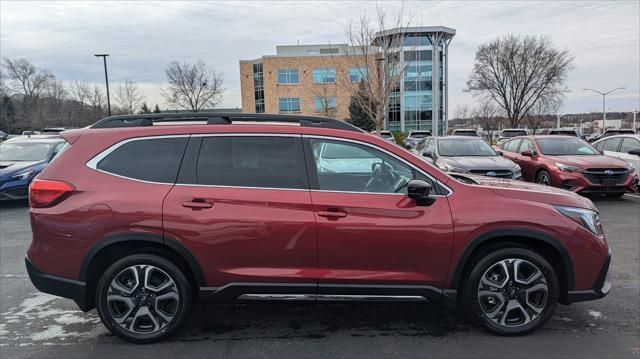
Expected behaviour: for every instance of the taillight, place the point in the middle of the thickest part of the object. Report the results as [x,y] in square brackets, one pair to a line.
[43,193]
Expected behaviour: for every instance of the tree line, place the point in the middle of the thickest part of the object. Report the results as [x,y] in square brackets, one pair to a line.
[32,98]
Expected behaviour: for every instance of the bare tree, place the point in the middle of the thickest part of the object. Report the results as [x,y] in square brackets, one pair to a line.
[96,99]
[129,97]
[535,118]
[29,81]
[516,71]
[376,59]
[55,104]
[193,86]
[488,116]
[79,91]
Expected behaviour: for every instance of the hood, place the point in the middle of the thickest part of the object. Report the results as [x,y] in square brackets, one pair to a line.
[479,162]
[532,192]
[9,168]
[594,161]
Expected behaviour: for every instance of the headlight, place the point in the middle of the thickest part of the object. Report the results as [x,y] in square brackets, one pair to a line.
[585,217]
[631,167]
[516,169]
[447,167]
[22,176]
[567,168]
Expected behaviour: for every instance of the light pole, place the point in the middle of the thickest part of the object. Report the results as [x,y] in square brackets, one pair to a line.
[604,99]
[106,79]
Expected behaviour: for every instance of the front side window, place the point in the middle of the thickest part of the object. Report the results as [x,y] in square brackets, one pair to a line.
[245,161]
[324,76]
[323,103]
[565,147]
[289,104]
[288,77]
[629,144]
[526,145]
[357,74]
[155,160]
[512,146]
[350,167]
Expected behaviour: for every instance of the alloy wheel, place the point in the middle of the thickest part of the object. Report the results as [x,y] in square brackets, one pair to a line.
[143,299]
[512,292]
[543,178]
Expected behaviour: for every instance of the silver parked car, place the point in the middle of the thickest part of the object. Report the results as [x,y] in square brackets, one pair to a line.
[464,154]
[415,137]
[624,147]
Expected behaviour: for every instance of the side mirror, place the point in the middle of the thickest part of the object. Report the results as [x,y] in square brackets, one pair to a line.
[635,152]
[500,152]
[528,153]
[428,153]
[420,191]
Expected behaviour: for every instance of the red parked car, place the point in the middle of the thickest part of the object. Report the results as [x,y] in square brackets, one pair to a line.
[571,164]
[144,214]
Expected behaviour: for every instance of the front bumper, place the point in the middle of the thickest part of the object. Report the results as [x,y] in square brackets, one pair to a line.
[576,182]
[601,287]
[62,287]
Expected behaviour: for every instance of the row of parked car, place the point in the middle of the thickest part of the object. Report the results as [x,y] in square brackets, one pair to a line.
[608,166]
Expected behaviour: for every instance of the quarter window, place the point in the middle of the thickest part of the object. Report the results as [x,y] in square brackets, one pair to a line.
[288,77]
[289,104]
[271,162]
[324,76]
[155,160]
[349,167]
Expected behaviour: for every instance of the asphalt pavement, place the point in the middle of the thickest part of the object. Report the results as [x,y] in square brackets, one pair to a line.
[37,325]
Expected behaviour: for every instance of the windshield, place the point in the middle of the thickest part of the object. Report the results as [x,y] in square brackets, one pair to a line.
[565,147]
[24,151]
[464,147]
[513,133]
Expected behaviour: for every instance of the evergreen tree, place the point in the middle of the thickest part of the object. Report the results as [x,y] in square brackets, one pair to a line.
[145,108]
[359,117]
[7,114]
[157,109]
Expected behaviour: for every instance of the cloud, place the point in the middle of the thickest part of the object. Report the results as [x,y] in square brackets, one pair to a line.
[143,37]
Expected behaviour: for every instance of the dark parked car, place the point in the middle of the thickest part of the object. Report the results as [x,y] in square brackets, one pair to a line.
[414,137]
[508,133]
[21,159]
[565,132]
[139,220]
[572,164]
[465,132]
[461,154]
[53,130]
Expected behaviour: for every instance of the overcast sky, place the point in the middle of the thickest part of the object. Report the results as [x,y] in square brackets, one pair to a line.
[143,37]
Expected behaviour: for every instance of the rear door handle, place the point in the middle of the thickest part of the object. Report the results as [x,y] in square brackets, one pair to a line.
[197,204]
[332,213]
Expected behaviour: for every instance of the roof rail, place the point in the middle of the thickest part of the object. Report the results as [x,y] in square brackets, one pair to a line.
[220,119]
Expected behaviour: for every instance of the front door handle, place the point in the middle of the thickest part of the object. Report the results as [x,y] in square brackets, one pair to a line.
[197,204]
[332,213]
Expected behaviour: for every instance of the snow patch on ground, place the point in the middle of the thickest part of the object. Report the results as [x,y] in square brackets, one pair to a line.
[594,314]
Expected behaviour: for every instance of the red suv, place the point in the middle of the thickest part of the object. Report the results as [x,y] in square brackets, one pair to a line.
[572,164]
[143,214]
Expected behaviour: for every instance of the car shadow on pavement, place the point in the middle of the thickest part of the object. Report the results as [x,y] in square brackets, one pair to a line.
[317,321]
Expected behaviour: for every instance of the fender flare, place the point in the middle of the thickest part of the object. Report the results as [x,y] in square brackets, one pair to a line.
[514,232]
[170,243]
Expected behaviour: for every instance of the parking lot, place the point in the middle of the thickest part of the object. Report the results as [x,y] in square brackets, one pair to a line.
[34,324]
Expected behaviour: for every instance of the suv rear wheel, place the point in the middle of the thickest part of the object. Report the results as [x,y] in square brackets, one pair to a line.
[143,298]
[511,291]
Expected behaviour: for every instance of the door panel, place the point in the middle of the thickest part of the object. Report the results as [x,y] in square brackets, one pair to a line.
[382,239]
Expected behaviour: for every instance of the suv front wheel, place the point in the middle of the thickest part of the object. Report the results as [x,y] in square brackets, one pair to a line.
[511,291]
[143,298]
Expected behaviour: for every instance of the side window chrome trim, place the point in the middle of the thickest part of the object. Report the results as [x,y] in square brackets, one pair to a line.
[242,187]
[447,188]
[93,162]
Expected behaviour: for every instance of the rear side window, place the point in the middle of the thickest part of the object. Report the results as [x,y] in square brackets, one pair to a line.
[245,161]
[155,160]
[629,144]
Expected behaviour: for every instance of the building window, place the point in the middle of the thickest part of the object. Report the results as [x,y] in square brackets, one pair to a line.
[324,76]
[324,103]
[416,40]
[288,77]
[329,51]
[258,88]
[289,104]
[357,74]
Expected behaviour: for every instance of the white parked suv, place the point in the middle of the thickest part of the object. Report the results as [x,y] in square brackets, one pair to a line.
[624,147]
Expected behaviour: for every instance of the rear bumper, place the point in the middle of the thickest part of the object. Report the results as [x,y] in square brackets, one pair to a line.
[600,289]
[62,287]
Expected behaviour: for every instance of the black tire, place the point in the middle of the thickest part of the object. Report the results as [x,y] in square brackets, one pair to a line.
[615,195]
[482,263]
[544,178]
[156,268]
